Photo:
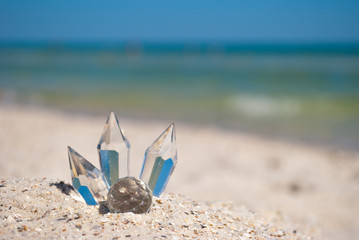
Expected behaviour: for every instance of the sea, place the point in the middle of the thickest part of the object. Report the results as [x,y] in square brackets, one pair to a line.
[301,92]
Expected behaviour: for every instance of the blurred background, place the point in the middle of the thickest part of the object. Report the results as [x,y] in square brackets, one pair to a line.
[264,94]
[281,69]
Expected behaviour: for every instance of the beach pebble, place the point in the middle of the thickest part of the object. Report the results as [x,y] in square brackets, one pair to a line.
[129,195]
[10,219]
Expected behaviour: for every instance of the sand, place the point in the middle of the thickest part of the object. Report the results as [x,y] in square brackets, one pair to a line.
[38,209]
[315,187]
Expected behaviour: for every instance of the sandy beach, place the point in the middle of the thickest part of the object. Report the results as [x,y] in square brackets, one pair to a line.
[38,209]
[317,188]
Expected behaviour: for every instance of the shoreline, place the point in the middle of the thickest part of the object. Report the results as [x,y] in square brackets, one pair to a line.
[313,186]
[306,143]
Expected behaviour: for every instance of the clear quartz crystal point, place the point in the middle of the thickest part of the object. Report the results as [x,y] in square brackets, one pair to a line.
[87,179]
[160,161]
[113,149]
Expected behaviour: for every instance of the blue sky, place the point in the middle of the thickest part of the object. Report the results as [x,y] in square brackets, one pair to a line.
[181,20]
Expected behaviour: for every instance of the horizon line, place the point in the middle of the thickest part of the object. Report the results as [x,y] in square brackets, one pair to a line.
[189,47]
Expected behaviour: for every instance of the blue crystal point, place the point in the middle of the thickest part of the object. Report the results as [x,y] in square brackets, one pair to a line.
[113,149]
[86,178]
[160,161]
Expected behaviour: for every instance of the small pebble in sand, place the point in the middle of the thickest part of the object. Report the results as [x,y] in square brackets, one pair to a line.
[129,194]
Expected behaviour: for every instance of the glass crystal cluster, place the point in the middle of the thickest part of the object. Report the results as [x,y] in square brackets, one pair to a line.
[113,148]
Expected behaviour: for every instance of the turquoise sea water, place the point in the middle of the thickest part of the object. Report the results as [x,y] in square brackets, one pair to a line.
[305,92]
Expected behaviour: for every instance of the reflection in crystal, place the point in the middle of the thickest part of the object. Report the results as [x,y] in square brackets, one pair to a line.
[113,149]
[160,160]
[86,178]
